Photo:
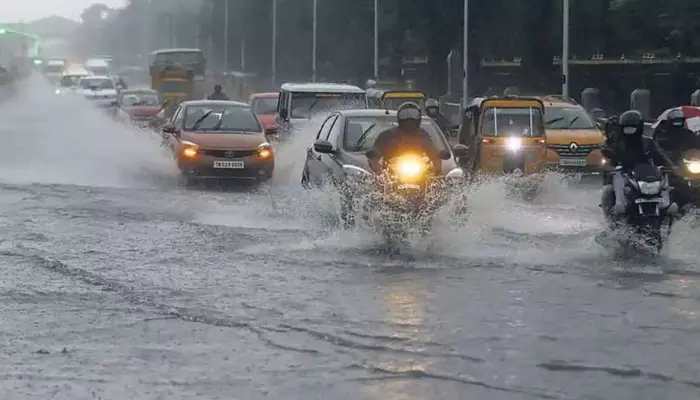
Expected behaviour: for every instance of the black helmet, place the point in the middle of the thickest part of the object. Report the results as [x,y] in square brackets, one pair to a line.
[217,87]
[676,118]
[408,111]
[631,122]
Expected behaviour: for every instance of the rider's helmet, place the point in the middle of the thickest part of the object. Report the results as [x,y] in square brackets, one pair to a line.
[409,115]
[371,83]
[631,123]
[218,88]
[432,107]
[676,118]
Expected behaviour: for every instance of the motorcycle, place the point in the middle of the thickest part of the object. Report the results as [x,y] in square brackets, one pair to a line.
[648,217]
[405,196]
[686,180]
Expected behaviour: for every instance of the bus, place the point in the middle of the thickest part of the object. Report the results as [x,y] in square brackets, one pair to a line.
[192,59]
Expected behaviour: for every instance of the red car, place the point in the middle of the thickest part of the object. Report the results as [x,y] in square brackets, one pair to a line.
[264,105]
[141,107]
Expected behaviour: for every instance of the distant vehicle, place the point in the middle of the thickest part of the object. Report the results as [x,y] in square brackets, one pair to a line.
[264,105]
[98,66]
[70,80]
[102,90]
[300,101]
[141,107]
[213,139]
[54,69]
[192,59]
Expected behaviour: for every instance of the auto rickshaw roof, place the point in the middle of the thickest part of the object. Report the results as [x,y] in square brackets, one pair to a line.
[394,94]
[321,88]
[505,101]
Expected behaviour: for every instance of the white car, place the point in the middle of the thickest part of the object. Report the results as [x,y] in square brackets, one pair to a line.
[100,89]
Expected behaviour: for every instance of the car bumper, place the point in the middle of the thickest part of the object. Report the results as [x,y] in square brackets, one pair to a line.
[254,169]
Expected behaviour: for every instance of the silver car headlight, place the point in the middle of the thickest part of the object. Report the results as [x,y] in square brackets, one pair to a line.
[650,188]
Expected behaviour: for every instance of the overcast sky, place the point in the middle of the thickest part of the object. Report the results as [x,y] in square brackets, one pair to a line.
[27,10]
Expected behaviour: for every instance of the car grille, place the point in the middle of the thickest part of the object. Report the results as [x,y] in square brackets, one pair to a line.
[229,153]
[582,150]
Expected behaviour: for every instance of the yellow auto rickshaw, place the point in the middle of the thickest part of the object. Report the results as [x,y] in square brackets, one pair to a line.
[505,135]
[174,85]
[391,100]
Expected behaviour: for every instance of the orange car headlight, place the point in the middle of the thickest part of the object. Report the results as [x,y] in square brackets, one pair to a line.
[189,150]
[265,151]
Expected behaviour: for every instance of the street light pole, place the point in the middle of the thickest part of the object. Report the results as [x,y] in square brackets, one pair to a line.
[465,50]
[565,51]
[313,60]
[274,42]
[226,35]
[376,39]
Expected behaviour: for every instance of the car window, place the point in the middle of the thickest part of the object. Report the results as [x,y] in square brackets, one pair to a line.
[214,118]
[512,121]
[361,132]
[326,127]
[567,118]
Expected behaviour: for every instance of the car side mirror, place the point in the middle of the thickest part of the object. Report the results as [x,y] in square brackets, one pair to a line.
[323,147]
[170,128]
[460,150]
[284,114]
[445,155]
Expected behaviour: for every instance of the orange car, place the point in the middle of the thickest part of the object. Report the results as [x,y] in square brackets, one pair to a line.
[264,105]
[573,138]
[220,140]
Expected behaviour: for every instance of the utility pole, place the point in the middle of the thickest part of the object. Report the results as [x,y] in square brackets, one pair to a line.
[565,51]
[465,63]
[226,36]
[376,39]
[274,42]
[313,60]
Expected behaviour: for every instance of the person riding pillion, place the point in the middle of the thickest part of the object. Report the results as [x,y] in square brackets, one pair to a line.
[432,109]
[407,137]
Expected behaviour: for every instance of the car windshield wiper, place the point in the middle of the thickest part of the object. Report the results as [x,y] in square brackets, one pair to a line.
[574,119]
[363,137]
[200,120]
[551,121]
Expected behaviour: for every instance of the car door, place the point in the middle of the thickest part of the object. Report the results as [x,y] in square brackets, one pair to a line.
[314,159]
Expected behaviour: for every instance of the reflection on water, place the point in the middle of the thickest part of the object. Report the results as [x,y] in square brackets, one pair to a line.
[686,305]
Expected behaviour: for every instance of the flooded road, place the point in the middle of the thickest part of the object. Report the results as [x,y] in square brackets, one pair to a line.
[116,283]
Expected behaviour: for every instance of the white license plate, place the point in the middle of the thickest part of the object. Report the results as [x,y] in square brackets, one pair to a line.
[229,164]
[573,162]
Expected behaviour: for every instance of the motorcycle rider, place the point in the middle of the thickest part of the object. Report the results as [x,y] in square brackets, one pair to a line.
[432,109]
[218,93]
[625,147]
[407,136]
[673,137]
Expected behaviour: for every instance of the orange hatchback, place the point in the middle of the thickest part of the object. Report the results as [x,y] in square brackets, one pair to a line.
[212,139]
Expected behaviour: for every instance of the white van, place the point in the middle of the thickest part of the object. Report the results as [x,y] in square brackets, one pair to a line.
[300,101]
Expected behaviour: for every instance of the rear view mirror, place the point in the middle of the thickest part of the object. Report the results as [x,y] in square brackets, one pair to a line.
[170,128]
[460,150]
[284,114]
[323,147]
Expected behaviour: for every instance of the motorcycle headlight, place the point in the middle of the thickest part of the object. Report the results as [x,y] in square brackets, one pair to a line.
[409,168]
[57,91]
[514,143]
[693,166]
[650,188]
